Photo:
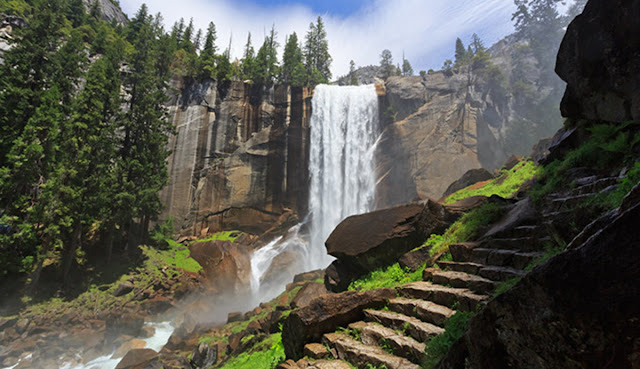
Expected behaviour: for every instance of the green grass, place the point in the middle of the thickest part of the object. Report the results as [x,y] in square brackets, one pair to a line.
[222,236]
[503,286]
[505,185]
[266,354]
[388,277]
[438,347]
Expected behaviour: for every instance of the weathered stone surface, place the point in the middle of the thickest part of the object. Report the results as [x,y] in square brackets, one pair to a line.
[327,313]
[599,60]
[307,293]
[415,259]
[128,346]
[522,212]
[406,95]
[123,289]
[365,242]
[472,176]
[137,359]
[226,265]
[316,351]
[110,11]
[204,356]
[590,316]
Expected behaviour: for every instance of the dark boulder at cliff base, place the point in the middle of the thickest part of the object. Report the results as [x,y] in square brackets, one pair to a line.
[471,177]
[579,310]
[599,60]
[365,242]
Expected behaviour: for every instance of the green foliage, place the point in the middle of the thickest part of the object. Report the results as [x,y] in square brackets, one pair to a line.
[293,71]
[316,54]
[266,354]
[438,347]
[20,8]
[388,277]
[266,61]
[503,286]
[386,64]
[505,185]
[222,236]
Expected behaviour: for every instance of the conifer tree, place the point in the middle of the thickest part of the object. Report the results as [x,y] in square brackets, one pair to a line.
[386,64]
[248,60]
[353,78]
[208,54]
[316,53]
[461,53]
[407,69]
[267,60]
[293,71]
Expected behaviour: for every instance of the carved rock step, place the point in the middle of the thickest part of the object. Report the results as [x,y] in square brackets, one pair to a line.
[519,232]
[505,258]
[458,298]
[570,202]
[414,327]
[316,351]
[521,244]
[400,345]
[426,311]
[347,349]
[494,273]
[459,280]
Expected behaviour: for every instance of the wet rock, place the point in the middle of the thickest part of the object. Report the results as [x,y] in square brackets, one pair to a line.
[128,346]
[21,325]
[204,356]
[599,60]
[137,359]
[124,324]
[226,265]
[325,314]
[577,310]
[123,289]
[147,331]
[307,293]
[235,317]
[309,276]
[471,177]
[365,242]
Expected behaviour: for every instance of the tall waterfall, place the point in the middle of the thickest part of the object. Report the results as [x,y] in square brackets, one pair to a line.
[344,127]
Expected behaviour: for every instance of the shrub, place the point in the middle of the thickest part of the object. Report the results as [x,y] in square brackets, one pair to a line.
[438,347]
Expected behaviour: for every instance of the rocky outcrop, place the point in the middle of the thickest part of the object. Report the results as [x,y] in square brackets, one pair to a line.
[325,314]
[589,318]
[471,177]
[599,61]
[446,123]
[239,158]
[365,242]
[109,9]
[226,265]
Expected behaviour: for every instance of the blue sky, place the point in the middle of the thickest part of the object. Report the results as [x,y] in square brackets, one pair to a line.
[425,30]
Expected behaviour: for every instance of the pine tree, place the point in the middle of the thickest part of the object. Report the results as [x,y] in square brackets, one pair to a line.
[461,53]
[407,69]
[208,54]
[316,53]
[386,64]
[477,44]
[293,71]
[267,60]
[353,78]
[248,60]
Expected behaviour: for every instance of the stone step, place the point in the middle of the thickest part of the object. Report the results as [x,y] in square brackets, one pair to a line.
[462,251]
[459,280]
[411,326]
[389,339]
[521,244]
[497,273]
[455,298]
[569,203]
[426,311]
[461,266]
[345,348]
[519,232]
[504,258]
[316,351]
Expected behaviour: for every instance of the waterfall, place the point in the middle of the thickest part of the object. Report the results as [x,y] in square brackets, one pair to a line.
[344,127]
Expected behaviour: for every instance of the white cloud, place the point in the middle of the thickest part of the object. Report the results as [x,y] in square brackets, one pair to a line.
[424,29]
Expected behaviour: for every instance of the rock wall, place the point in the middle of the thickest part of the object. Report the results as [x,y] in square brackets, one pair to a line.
[238,157]
[443,124]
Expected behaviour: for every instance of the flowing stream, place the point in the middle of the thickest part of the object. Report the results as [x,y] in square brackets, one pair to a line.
[344,129]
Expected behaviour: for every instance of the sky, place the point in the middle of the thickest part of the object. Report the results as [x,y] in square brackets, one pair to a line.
[424,30]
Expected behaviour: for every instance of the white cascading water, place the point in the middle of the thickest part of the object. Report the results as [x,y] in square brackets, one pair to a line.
[344,128]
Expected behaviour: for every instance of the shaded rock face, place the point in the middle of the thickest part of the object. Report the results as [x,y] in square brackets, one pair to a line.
[576,311]
[325,314]
[239,159]
[365,242]
[471,177]
[110,11]
[599,60]
[444,125]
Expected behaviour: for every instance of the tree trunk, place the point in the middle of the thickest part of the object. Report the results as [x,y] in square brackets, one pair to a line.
[71,253]
[110,230]
[35,275]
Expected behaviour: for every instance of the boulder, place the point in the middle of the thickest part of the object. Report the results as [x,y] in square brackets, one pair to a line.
[325,314]
[123,289]
[128,346]
[471,177]
[204,356]
[137,359]
[415,259]
[365,242]
[521,213]
[511,162]
[599,60]
[307,293]
[226,265]
[578,310]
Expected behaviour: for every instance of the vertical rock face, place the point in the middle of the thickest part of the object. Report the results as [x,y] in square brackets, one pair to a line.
[238,157]
[109,9]
[446,123]
[599,60]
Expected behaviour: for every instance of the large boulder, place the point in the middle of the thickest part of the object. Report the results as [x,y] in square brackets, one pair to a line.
[365,242]
[325,314]
[137,359]
[599,60]
[471,177]
[226,265]
[578,310]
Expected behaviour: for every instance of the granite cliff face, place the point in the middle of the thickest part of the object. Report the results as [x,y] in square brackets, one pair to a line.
[446,123]
[238,157]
